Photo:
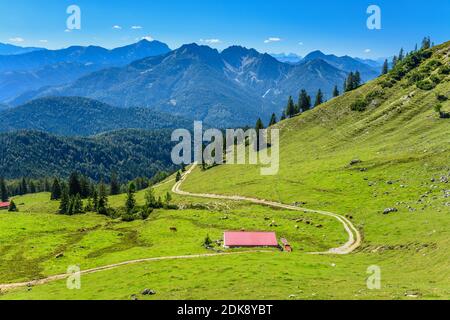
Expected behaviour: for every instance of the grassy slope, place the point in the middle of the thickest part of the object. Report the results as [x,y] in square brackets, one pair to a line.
[401,141]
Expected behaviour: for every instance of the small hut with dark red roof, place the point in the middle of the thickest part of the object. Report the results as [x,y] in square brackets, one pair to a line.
[4,205]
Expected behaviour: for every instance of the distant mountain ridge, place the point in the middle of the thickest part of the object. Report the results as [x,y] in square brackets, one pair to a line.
[32,71]
[9,49]
[232,87]
[75,116]
[345,63]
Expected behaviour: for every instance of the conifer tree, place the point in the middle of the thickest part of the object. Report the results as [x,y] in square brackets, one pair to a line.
[150,199]
[3,190]
[336,92]
[65,201]
[74,184]
[56,190]
[319,98]
[273,120]
[167,199]
[283,115]
[102,200]
[178,177]
[130,203]
[77,204]
[304,101]
[385,69]
[394,61]
[401,55]
[95,200]
[114,184]
[290,109]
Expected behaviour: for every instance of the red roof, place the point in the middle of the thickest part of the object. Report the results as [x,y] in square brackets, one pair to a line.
[250,239]
[4,204]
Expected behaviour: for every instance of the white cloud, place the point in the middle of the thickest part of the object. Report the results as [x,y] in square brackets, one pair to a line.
[272,39]
[211,41]
[67,30]
[136,27]
[367,51]
[300,43]
[17,39]
[148,38]
[43,41]
[117,27]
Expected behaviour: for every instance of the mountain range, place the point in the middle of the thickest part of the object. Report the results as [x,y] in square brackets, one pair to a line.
[9,49]
[37,69]
[229,88]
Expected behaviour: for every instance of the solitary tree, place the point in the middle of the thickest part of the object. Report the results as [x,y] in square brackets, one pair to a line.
[401,55]
[150,199]
[178,177]
[167,199]
[385,69]
[3,190]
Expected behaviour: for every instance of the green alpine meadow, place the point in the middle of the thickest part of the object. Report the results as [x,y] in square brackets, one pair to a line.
[264,153]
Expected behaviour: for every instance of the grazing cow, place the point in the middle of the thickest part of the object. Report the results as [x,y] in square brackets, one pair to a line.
[173,229]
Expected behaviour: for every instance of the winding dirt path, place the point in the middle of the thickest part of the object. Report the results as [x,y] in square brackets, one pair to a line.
[354,237]
[7,287]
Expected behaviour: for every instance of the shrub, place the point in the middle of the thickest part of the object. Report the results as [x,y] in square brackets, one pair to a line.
[208,242]
[426,84]
[145,213]
[441,97]
[359,105]
[445,69]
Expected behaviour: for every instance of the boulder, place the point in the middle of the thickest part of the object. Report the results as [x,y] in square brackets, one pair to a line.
[390,210]
[148,292]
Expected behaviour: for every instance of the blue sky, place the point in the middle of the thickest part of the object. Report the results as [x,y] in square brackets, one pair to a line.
[269,26]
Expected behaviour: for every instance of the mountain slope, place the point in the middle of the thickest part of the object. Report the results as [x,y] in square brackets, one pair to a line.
[230,88]
[346,63]
[27,72]
[9,49]
[131,153]
[394,154]
[84,117]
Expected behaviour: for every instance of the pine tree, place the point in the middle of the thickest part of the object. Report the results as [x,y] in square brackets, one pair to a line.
[290,109]
[130,203]
[114,184]
[85,188]
[95,200]
[3,190]
[336,92]
[304,101]
[32,187]
[102,200]
[77,204]
[426,43]
[178,177]
[401,55]
[167,199]
[357,80]
[74,184]
[89,207]
[319,98]
[12,207]
[394,61]
[349,82]
[23,187]
[385,69]
[56,190]
[273,120]
[150,199]
[65,201]
[283,116]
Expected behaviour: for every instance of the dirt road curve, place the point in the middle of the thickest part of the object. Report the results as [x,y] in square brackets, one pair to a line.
[354,237]
[6,287]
